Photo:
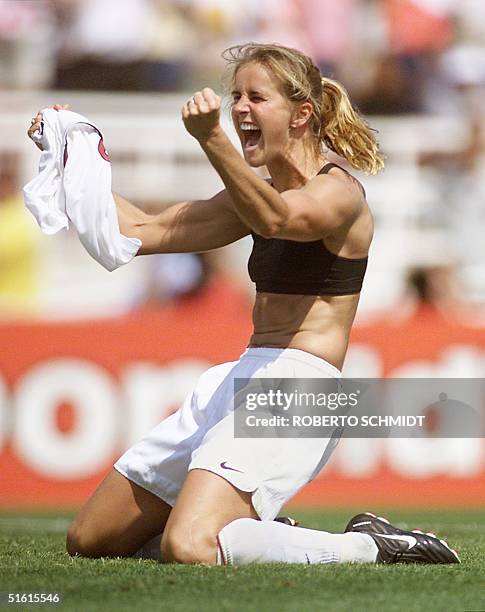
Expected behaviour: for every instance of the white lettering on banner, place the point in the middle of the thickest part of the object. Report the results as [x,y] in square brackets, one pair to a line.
[359,457]
[362,361]
[413,458]
[426,457]
[153,392]
[4,422]
[94,439]
[457,361]
[112,415]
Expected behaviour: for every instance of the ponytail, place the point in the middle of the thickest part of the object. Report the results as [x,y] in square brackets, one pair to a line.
[346,132]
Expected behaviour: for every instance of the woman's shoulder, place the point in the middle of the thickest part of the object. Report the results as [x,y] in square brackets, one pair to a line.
[333,172]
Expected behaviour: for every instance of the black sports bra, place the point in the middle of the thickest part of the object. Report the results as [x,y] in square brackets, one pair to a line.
[303,268]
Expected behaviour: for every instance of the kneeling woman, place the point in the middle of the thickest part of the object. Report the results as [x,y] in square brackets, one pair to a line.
[190,491]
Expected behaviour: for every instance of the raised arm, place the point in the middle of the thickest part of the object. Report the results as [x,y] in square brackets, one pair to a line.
[200,225]
[323,206]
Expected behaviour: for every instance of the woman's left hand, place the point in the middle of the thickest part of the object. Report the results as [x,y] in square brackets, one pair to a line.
[201,114]
[35,122]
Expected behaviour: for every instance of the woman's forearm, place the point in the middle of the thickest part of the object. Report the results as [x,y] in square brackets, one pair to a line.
[185,227]
[129,216]
[258,204]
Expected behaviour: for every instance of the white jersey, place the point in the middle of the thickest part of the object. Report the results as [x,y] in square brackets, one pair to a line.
[74,185]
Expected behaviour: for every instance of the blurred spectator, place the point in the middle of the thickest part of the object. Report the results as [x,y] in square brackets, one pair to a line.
[173,41]
[173,277]
[417,32]
[435,289]
[470,18]
[330,30]
[219,23]
[277,21]
[19,254]
[102,43]
[26,35]
[387,52]
[417,27]
[458,176]
[462,70]
[391,90]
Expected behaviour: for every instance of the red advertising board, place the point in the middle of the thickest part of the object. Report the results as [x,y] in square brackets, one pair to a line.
[74,395]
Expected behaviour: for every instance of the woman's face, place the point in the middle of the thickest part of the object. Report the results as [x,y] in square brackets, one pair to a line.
[261,114]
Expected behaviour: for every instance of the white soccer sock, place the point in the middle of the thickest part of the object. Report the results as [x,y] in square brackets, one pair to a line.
[250,541]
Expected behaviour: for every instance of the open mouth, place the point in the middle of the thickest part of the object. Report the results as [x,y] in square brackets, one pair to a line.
[250,135]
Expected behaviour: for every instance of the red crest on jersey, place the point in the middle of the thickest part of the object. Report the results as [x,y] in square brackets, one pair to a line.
[102,151]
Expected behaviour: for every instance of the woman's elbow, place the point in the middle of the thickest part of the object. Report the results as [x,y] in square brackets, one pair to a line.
[270,230]
[270,227]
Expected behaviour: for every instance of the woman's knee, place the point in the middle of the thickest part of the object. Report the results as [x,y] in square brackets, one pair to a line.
[78,542]
[196,544]
[84,541]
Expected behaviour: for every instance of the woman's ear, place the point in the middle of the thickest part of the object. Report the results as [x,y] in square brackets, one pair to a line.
[301,115]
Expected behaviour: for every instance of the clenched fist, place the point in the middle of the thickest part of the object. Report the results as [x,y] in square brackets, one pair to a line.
[201,114]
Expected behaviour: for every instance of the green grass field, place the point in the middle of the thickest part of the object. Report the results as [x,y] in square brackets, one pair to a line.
[32,559]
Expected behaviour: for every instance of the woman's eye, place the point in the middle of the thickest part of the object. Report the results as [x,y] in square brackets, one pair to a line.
[236,99]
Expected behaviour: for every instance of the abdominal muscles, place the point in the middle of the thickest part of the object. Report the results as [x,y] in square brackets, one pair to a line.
[319,325]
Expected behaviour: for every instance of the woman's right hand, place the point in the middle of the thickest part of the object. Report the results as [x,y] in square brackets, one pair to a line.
[35,123]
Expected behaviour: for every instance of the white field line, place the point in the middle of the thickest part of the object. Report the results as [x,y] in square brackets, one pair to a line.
[23,523]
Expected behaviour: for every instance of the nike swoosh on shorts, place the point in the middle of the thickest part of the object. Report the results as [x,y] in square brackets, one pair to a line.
[228,467]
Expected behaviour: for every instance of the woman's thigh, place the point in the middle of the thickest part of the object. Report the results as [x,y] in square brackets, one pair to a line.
[117,520]
[206,504]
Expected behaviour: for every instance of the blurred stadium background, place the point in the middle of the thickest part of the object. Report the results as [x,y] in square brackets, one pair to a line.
[91,360]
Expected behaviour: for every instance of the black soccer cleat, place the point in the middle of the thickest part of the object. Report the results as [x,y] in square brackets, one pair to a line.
[398,546]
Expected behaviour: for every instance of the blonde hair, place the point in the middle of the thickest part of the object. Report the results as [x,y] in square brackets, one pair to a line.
[334,121]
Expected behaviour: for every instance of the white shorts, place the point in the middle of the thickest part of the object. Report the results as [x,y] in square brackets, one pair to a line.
[200,435]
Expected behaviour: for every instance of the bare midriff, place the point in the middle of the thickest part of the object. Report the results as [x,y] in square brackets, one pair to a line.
[319,325]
